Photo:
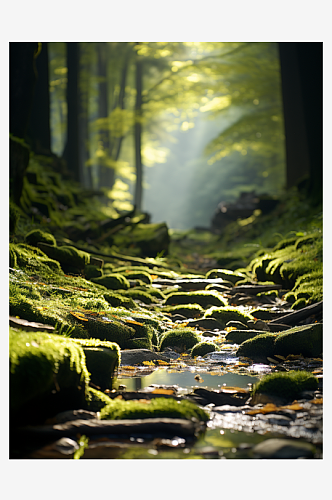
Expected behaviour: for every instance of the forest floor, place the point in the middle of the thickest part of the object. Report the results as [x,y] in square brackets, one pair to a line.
[220,324]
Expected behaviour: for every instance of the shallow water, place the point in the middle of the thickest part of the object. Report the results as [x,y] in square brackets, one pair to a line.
[186,379]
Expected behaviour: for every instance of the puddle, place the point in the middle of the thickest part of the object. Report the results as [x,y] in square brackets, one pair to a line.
[186,379]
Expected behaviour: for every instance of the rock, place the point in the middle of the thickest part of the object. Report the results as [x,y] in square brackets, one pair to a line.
[258,325]
[306,340]
[283,448]
[68,416]
[137,356]
[209,323]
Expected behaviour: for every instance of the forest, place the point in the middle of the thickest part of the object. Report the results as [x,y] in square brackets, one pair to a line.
[166,250]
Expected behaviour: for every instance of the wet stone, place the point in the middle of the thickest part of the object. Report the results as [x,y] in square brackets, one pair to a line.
[283,449]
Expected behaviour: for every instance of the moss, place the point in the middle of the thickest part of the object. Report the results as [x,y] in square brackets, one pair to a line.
[67,255]
[265,314]
[226,314]
[36,236]
[137,275]
[184,338]
[240,336]
[288,385]
[33,260]
[96,400]
[306,340]
[47,371]
[203,348]
[154,292]
[188,311]
[112,331]
[225,274]
[258,348]
[153,408]
[113,281]
[14,216]
[119,300]
[101,362]
[140,295]
[91,271]
[204,298]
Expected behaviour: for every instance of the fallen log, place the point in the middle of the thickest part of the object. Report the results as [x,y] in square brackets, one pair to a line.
[296,316]
[149,426]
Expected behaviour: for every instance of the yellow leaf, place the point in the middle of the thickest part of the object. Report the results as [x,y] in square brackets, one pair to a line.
[293,406]
[148,363]
[318,401]
[230,328]
[268,408]
[163,391]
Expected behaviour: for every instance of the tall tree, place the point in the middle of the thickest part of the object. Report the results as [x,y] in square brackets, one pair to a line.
[71,151]
[39,125]
[301,75]
[138,134]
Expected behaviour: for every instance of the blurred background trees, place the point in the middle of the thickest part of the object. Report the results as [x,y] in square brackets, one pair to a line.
[210,117]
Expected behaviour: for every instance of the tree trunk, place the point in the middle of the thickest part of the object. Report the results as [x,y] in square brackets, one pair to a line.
[106,174]
[138,136]
[22,79]
[83,123]
[71,151]
[39,127]
[301,78]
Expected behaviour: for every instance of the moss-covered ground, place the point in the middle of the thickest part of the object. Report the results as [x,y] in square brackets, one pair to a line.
[70,269]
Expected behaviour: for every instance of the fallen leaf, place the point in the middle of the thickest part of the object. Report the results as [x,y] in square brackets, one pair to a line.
[148,363]
[163,391]
[317,401]
[268,408]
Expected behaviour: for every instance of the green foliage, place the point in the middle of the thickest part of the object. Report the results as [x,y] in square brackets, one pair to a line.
[258,347]
[153,408]
[288,385]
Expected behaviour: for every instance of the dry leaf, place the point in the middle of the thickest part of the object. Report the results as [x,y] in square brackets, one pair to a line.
[317,401]
[163,391]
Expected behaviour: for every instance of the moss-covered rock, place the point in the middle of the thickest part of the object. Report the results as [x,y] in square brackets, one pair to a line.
[258,348]
[102,360]
[32,259]
[120,300]
[91,271]
[141,295]
[287,385]
[203,348]
[226,314]
[137,275]
[113,281]
[186,310]
[204,298]
[183,338]
[48,374]
[226,274]
[37,235]
[68,256]
[240,336]
[152,408]
[96,400]
[306,340]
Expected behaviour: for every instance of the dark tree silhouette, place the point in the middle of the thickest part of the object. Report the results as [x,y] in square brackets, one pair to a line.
[138,135]
[71,151]
[301,77]
[39,131]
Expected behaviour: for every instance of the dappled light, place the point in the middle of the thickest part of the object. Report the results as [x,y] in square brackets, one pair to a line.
[165,250]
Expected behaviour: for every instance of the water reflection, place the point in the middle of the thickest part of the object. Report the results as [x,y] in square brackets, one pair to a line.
[186,379]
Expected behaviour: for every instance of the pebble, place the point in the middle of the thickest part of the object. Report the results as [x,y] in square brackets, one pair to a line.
[283,448]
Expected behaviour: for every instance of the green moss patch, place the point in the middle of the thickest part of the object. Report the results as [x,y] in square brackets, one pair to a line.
[240,336]
[141,295]
[188,311]
[184,338]
[259,347]
[306,340]
[203,348]
[47,372]
[288,385]
[37,235]
[91,271]
[66,255]
[153,408]
[119,300]
[226,274]
[226,314]
[96,400]
[137,275]
[31,259]
[114,281]
[204,298]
